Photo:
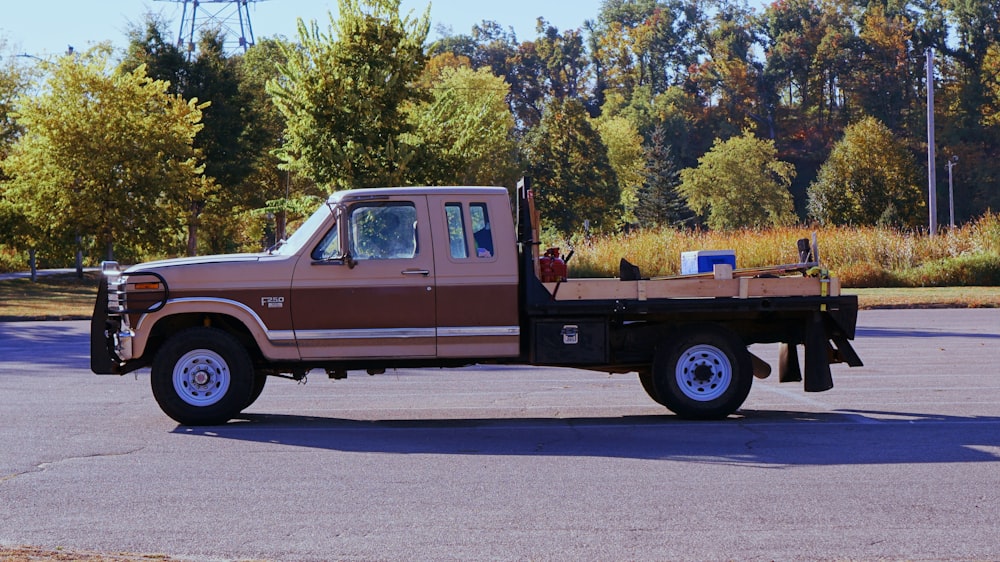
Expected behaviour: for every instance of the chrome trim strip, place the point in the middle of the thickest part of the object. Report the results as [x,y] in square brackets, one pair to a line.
[281,335]
[478,331]
[272,335]
[377,333]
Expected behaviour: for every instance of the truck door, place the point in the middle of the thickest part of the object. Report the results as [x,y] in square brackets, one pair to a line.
[477,306]
[377,299]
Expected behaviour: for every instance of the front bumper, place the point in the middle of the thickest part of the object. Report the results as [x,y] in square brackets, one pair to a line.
[110,333]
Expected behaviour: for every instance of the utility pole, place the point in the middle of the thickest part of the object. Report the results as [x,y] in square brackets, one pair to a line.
[951,191]
[931,172]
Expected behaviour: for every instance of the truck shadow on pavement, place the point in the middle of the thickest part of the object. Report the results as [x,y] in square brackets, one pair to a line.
[764,439]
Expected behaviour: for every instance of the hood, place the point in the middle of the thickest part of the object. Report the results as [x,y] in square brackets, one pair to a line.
[197,260]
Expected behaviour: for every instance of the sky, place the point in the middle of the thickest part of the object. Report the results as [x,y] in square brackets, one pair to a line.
[44,28]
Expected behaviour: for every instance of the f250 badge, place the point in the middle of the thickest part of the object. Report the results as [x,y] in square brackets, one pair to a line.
[272,302]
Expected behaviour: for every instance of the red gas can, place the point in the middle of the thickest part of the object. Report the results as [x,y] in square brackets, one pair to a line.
[552,266]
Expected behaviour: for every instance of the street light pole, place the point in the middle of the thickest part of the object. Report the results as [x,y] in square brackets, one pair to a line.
[951,191]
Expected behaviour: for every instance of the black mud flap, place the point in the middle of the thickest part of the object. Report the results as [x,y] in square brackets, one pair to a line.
[818,376]
[102,358]
[788,363]
[845,353]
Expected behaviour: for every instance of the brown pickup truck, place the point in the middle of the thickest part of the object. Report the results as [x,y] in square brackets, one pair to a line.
[439,276]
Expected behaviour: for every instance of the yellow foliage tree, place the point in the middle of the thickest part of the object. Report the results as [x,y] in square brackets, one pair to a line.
[105,155]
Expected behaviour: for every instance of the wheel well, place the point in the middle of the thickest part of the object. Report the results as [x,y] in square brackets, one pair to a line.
[170,325]
[639,342]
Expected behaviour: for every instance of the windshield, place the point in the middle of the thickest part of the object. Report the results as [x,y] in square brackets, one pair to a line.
[304,232]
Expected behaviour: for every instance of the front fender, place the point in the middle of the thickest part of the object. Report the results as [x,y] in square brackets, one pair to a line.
[274,344]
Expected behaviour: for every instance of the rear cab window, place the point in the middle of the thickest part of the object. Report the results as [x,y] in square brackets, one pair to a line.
[469,227]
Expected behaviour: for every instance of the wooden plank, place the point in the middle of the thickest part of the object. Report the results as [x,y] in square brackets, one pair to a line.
[604,289]
[786,269]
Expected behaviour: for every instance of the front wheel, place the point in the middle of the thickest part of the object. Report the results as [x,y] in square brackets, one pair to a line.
[202,376]
[704,374]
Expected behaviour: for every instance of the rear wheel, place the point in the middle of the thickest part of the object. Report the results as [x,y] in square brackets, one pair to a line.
[649,385]
[704,374]
[202,376]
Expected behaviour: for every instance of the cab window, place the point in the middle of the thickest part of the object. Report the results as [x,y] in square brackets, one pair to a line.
[457,240]
[383,231]
[481,230]
[329,247]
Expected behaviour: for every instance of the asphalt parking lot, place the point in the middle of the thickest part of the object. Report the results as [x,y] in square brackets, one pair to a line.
[901,460]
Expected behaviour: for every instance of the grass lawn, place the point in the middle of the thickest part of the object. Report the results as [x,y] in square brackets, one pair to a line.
[928,297]
[64,297]
[52,297]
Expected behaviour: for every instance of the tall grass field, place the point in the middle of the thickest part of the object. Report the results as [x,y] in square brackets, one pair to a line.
[861,257]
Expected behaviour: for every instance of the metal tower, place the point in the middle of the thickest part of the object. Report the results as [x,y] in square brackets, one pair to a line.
[230,17]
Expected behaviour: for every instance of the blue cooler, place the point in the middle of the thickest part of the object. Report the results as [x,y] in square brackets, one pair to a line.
[704,261]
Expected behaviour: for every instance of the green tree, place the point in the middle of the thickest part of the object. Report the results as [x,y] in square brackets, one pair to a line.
[16,231]
[105,155]
[574,181]
[274,194]
[882,80]
[648,42]
[225,140]
[869,176]
[976,29]
[14,81]
[740,183]
[794,30]
[495,48]
[564,59]
[628,159]
[342,94]
[658,202]
[465,131]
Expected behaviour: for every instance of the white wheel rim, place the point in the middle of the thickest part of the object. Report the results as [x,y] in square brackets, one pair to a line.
[704,373]
[201,377]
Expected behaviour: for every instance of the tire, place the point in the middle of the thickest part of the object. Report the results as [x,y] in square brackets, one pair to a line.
[649,385]
[202,376]
[259,381]
[704,374]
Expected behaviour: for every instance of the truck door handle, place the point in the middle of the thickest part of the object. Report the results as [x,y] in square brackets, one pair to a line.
[424,272]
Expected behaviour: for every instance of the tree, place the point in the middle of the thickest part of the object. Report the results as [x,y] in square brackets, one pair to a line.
[740,183]
[520,64]
[648,42]
[794,30]
[465,131]
[659,203]
[882,79]
[869,176]
[563,57]
[14,82]
[104,154]
[573,179]
[272,192]
[342,94]
[976,29]
[627,158]
[224,141]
